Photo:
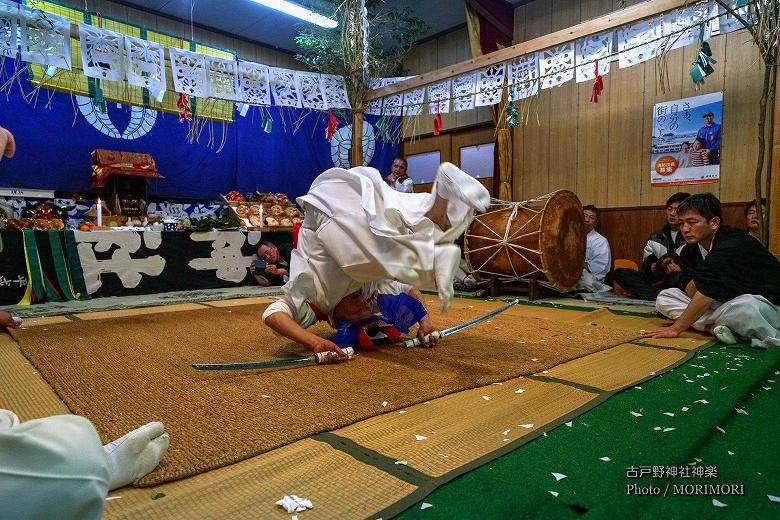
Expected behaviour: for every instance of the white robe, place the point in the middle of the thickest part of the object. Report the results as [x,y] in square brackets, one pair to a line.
[357,230]
[51,468]
[749,316]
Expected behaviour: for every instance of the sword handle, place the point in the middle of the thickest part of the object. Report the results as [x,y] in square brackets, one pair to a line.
[322,357]
[409,343]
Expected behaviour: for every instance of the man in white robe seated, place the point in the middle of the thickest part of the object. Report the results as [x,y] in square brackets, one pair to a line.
[735,291]
[357,231]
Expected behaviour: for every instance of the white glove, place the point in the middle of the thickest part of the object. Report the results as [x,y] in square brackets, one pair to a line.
[135,454]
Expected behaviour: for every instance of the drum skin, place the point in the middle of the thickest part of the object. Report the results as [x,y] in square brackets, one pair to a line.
[545,241]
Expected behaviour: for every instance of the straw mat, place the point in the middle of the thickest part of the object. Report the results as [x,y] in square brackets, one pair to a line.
[127,371]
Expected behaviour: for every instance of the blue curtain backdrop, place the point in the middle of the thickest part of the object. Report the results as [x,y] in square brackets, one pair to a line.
[53,144]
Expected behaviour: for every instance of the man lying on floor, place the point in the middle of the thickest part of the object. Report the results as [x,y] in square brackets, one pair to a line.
[357,231]
[387,307]
[735,291]
[56,467]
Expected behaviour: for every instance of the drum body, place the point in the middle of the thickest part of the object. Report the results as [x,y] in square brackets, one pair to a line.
[541,239]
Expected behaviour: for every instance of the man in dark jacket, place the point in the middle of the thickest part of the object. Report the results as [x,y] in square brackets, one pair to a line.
[735,291]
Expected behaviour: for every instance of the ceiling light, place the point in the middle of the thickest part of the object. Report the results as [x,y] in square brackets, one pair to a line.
[299,12]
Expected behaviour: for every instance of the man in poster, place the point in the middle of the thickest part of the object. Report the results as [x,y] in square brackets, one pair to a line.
[710,132]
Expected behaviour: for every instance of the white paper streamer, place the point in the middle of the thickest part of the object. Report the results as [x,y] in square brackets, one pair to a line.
[374,107]
[590,49]
[639,42]
[283,88]
[556,65]
[310,90]
[335,89]
[490,85]
[189,72]
[254,83]
[145,64]
[728,23]
[102,53]
[439,97]
[45,38]
[463,91]
[9,20]
[223,78]
[682,26]
[524,74]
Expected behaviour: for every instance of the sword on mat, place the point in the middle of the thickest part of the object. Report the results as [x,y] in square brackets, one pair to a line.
[316,359]
[457,328]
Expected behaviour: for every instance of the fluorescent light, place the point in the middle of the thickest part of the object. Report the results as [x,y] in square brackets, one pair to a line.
[299,12]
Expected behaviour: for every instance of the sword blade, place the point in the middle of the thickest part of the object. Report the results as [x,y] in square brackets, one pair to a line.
[471,323]
[257,365]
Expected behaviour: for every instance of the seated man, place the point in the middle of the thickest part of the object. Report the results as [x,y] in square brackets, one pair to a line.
[57,467]
[735,291]
[666,240]
[597,255]
[752,224]
[390,306]
[277,263]
[399,178]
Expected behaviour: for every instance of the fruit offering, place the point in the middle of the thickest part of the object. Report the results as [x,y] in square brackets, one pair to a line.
[234,196]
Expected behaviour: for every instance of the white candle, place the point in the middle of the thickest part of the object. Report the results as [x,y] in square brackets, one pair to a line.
[99,212]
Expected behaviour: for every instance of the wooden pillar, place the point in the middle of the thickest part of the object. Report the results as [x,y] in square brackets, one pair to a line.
[774,189]
[357,139]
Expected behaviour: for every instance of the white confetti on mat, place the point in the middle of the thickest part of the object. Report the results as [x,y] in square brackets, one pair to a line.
[636,414]
[526,426]
[638,387]
[555,493]
[773,498]
[384,404]
[120,496]
[402,462]
[519,391]
[294,503]
[684,408]
[425,505]
[265,396]
[740,410]
[401,411]
[442,455]
[498,384]
[569,424]
[559,476]
[702,401]
[504,440]
[605,459]
[721,430]
[718,503]
[670,414]
[486,397]
[669,430]
[730,452]
[534,359]
[506,432]
[657,428]
[420,437]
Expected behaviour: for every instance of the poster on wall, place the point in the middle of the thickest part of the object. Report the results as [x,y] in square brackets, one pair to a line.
[686,141]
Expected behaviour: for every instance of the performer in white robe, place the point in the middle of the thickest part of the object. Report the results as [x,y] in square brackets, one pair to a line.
[358,230]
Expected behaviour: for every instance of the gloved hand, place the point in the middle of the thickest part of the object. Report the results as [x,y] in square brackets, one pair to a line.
[135,454]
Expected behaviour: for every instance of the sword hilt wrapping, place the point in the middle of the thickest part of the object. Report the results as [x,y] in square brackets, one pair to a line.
[322,357]
[409,343]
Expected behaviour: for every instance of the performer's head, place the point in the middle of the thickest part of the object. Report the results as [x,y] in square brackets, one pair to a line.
[399,169]
[590,214]
[700,218]
[353,307]
[671,208]
[268,252]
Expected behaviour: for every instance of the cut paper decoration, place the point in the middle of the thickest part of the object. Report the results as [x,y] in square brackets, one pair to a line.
[592,48]
[639,42]
[189,72]
[9,19]
[223,78]
[556,65]
[490,85]
[102,53]
[254,83]
[463,91]
[310,90]
[439,98]
[413,101]
[374,107]
[145,64]
[335,89]
[554,493]
[524,74]
[727,22]
[283,87]
[559,476]
[45,38]
[425,505]
[682,27]
[392,105]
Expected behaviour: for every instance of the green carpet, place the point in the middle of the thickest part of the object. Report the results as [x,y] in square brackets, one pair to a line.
[703,394]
